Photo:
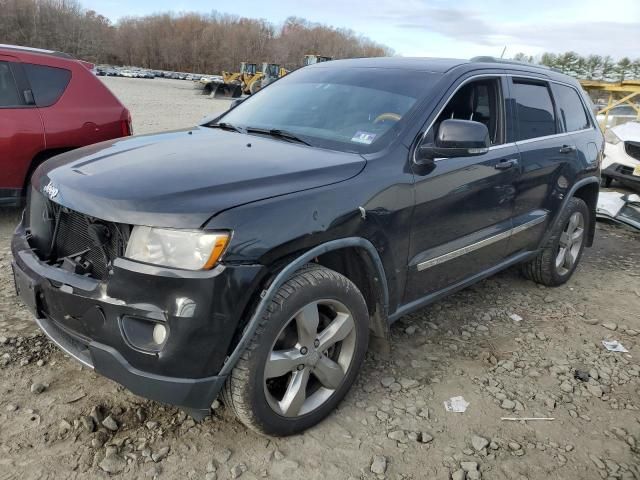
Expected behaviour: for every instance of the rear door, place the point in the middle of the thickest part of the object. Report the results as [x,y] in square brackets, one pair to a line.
[547,154]
[574,119]
[21,129]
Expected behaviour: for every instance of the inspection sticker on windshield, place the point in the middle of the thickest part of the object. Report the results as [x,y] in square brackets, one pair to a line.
[364,137]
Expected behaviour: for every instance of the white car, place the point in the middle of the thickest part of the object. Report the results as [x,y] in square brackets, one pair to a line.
[622,155]
[617,116]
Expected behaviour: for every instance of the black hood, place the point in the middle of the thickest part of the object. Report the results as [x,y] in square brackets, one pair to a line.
[180,179]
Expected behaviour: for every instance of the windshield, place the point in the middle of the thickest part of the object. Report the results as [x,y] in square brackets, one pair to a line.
[348,109]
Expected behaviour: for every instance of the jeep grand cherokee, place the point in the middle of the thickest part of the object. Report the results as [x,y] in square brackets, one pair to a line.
[256,254]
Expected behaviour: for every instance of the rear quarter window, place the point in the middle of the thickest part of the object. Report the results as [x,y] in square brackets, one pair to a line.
[534,110]
[47,83]
[570,108]
[8,90]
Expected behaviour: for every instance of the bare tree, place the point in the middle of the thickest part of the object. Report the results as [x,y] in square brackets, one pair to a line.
[182,42]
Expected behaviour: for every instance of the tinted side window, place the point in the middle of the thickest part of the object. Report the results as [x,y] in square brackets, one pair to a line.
[534,110]
[480,101]
[47,83]
[570,108]
[8,90]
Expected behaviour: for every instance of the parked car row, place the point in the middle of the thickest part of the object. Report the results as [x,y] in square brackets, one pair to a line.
[134,72]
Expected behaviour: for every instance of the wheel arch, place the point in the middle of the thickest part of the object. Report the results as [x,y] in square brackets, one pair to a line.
[329,253]
[587,190]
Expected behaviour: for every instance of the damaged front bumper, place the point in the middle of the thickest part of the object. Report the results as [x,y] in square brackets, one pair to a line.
[623,173]
[108,325]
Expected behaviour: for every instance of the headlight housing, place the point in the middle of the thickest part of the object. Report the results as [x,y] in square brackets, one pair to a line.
[611,137]
[185,249]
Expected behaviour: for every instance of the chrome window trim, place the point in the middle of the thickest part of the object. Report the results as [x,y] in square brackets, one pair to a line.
[482,243]
[506,75]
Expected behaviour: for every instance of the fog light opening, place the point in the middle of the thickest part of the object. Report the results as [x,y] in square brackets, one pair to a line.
[159,334]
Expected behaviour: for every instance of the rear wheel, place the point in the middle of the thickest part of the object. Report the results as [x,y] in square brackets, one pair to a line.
[558,259]
[304,356]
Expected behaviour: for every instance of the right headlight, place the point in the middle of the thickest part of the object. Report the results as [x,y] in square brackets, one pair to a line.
[611,137]
[186,249]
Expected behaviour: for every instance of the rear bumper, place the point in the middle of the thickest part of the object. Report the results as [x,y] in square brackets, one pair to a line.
[86,318]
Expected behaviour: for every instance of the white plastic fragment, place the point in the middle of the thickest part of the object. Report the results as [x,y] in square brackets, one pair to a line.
[456,404]
[515,317]
[614,346]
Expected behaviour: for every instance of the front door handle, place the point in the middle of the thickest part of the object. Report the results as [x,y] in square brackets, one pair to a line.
[506,164]
[567,148]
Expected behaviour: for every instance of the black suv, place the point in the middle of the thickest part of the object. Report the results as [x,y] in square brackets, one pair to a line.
[254,255]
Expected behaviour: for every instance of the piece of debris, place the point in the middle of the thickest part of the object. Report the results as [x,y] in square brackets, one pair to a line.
[515,317]
[619,207]
[614,346]
[527,419]
[456,404]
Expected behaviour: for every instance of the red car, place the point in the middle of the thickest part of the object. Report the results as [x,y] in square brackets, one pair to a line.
[49,103]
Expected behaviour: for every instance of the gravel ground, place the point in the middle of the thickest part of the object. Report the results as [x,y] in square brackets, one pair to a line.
[511,348]
[163,104]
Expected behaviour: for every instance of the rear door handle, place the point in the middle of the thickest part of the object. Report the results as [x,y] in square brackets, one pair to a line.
[567,148]
[506,164]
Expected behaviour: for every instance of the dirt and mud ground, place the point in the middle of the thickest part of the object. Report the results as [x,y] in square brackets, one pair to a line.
[393,424]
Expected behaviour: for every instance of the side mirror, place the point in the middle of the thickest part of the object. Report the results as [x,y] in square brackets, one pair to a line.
[234,103]
[456,138]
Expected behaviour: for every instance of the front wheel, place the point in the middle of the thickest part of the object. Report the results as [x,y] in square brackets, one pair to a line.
[559,257]
[304,356]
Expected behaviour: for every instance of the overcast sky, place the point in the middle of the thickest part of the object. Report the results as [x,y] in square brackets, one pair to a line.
[442,28]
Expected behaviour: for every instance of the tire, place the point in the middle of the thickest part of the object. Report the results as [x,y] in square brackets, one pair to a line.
[253,390]
[605,181]
[548,268]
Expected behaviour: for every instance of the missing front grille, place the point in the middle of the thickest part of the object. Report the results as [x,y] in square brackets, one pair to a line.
[86,245]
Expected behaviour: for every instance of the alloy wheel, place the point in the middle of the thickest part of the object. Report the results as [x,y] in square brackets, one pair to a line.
[310,358]
[570,243]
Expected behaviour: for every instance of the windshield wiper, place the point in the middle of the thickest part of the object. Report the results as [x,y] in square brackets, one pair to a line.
[225,126]
[276,132]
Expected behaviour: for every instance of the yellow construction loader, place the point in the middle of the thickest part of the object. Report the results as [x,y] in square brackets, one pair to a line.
[231,84]
[245,82]
[270,73]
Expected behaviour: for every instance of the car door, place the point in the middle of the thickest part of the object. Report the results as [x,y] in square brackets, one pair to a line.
[462,218]
[21,130]
[547,155]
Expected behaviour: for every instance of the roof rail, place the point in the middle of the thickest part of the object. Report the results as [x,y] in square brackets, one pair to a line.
[41,51]
[488,59]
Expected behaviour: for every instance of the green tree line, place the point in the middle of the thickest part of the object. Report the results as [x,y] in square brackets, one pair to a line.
[590,67]
[188,42]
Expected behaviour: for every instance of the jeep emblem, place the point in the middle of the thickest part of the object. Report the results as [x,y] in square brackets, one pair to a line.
[50,190]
